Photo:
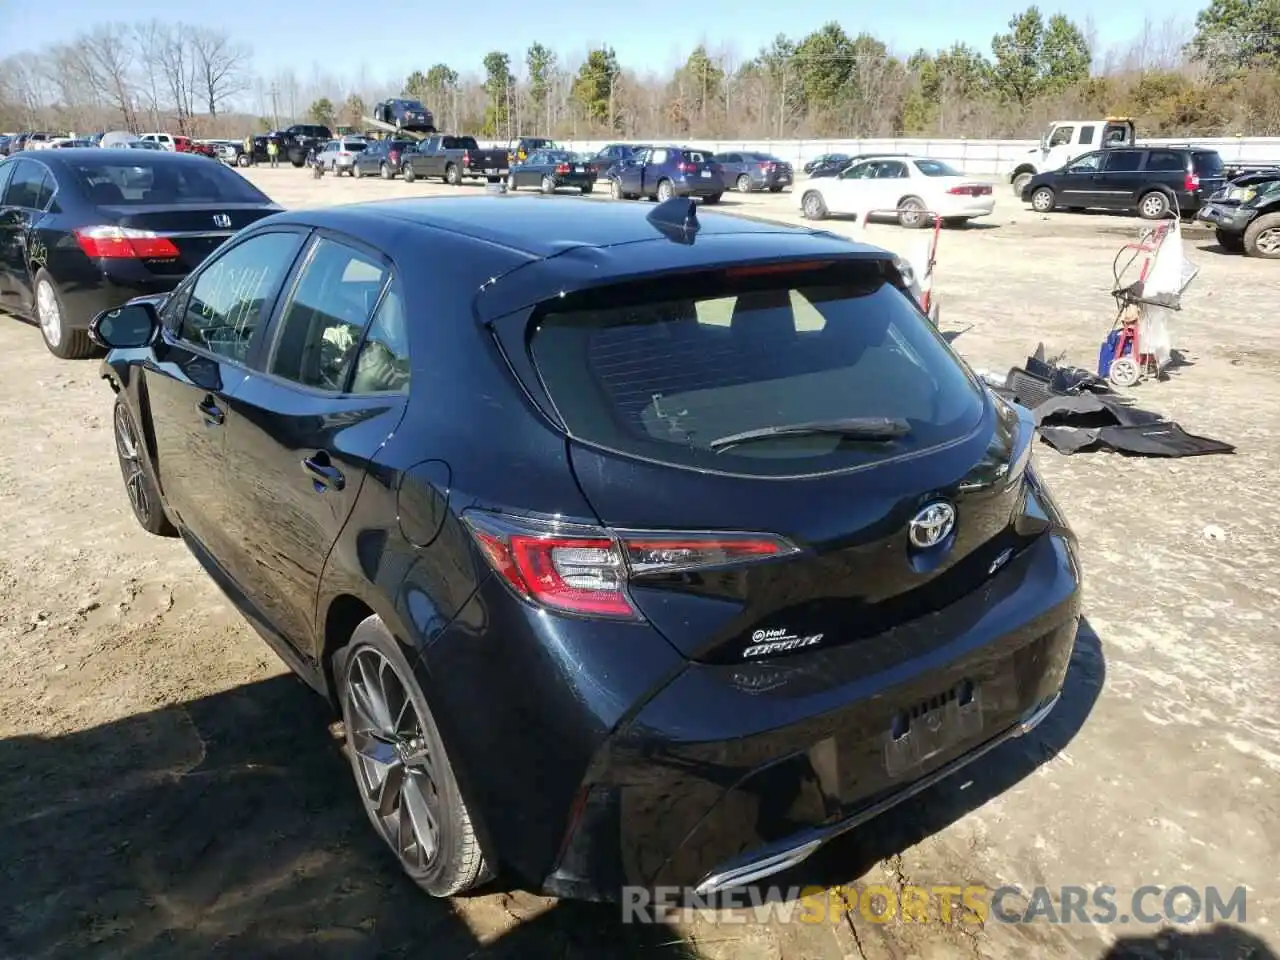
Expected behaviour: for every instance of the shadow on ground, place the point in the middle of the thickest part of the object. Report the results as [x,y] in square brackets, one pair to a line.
[1222,942]
[228,826]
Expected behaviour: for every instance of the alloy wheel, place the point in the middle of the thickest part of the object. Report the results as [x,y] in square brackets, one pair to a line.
[394,767]
[131,465]
[1268,242]
[910,212]
[48,312]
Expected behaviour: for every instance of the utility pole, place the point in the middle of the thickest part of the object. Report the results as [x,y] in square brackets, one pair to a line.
[782,100]
[275,105]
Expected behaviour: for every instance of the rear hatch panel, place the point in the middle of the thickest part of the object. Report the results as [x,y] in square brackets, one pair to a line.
[671,376]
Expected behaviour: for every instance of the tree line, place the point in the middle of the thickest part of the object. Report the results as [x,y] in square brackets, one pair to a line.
[1219,76]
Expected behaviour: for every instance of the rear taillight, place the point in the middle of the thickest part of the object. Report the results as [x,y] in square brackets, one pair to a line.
[687,167]
[123,243]
[394,156]
[970,190]
[767,167]
[466,158]
[562,168]
[1191,182]
[585,570]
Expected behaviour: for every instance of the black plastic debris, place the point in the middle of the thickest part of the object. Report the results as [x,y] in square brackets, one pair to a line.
[1077,411]
[1096,421]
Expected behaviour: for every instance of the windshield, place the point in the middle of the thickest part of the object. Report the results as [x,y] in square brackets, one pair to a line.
[719,356]
[936,168]
[142,181]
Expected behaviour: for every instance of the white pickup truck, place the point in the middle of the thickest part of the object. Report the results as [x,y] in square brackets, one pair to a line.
[1064,140]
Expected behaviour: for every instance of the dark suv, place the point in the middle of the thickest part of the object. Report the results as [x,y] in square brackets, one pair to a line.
[627,559]
[383,158]
[1149,181]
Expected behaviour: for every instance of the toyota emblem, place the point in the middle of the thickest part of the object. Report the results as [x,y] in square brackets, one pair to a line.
[932,525]
[221,220]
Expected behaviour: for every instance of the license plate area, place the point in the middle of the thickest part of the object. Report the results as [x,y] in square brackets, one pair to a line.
[920,732]
[706,174]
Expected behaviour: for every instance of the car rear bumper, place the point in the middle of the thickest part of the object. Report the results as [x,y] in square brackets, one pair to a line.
[578,180]
[698,187]
[116,285]
[603,759]
[733,773]
[971,207]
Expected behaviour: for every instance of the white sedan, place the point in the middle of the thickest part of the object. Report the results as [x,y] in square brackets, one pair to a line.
[915,188]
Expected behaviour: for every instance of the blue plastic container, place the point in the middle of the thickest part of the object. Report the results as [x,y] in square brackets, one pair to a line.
[1107,352]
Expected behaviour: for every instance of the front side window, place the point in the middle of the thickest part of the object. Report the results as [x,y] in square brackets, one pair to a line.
[668,374]
[324,319]
[859,171]
[1061,136]
[1086,164]
[234,294]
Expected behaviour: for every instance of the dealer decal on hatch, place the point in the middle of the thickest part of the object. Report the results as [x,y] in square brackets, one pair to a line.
[778,640]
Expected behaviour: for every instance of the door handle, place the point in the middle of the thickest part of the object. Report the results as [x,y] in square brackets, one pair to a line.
[213,415]
[323,473]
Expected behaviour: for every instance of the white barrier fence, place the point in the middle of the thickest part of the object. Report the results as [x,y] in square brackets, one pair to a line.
[984,158]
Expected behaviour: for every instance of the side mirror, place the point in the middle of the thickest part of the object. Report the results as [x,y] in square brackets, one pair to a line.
[132,325]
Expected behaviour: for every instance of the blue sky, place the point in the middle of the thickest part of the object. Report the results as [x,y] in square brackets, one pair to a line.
[301,32]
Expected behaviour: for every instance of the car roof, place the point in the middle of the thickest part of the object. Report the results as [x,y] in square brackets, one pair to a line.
[541,229]
[112,155]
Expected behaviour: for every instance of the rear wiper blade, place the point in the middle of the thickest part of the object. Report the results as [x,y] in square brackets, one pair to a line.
[870,429]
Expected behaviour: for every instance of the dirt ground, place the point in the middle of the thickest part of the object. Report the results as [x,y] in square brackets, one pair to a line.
[169,791]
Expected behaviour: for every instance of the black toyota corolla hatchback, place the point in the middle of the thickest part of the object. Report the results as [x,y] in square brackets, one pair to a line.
[633,549]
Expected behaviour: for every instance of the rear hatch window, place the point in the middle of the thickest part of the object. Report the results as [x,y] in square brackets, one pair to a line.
[669,371]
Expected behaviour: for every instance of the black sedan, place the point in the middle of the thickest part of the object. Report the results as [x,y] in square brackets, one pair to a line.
[550,170]
[772,559]
[82,231]
[747,171]
[828,161]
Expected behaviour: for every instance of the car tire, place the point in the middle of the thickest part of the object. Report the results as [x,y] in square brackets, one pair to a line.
[813,206]
[407,172]
[452,175]
[744,184]
[713,199]
[587,188]
[548,185]
[51,316]
[1020,183]
[1043,200]
[1262,237]
[665,191]
[243,160]
[775,189]
[1153,205]
[912,213]
[511,183]
[615,190]
[373,678]
[385,170]
[1231,242]
[135,471]
[356,172]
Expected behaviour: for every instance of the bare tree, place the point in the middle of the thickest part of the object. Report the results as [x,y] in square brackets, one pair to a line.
[177,66]
[221,67]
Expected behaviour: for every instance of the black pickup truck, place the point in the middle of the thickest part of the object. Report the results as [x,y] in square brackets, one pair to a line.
[298,140]
[454,159]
